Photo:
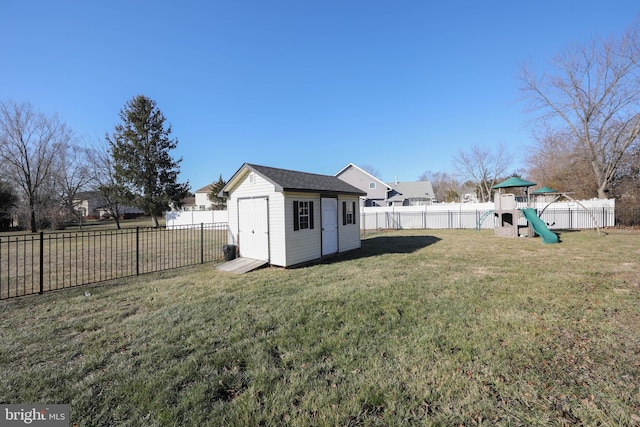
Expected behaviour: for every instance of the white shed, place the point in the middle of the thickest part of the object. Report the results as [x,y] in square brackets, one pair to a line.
[287,217]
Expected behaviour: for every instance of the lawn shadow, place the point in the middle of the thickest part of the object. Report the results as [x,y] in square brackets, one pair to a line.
[381,245]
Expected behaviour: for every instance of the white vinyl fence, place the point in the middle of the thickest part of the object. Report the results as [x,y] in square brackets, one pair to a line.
[195,218]
[558,215]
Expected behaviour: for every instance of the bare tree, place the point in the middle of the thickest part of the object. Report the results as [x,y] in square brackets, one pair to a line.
[554,161]
[447,187]
[592,94]
[72,176]
[626,186]
[104,181]
[483,166]
[371,170]
[30,144]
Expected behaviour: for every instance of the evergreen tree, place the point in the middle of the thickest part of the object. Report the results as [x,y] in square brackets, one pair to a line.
[140,147]
[8,201]
[219,203]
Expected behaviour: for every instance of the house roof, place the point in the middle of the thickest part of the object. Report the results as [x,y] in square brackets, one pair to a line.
[410,190]
[206,189]
[189,201]
[289,180]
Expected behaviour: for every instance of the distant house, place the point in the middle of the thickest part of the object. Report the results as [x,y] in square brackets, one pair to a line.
[90,204]
[380,193]
[287,217]
[202,201]
[376,190]
[415,193]
[188,204]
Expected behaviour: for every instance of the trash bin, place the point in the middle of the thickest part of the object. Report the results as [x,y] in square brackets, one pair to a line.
[229,252]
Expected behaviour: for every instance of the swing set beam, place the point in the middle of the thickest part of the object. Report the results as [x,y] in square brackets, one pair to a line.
[558,195]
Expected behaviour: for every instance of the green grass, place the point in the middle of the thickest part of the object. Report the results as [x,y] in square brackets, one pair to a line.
[420,327]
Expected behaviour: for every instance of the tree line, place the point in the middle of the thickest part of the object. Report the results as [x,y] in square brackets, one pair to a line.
[44,169]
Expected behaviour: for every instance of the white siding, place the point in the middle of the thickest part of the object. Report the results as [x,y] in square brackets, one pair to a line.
[348,235]
[277,230]
[302,245]
[260,187]
[362,180]
[202,201]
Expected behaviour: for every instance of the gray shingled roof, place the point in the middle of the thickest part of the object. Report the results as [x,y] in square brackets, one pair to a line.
[410,190]
[288,180]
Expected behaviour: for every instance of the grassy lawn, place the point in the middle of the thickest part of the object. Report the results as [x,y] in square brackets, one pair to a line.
[420,327]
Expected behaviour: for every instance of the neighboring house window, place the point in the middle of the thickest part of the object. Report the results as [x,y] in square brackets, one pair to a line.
[348,213]
[302,215]
[372,185]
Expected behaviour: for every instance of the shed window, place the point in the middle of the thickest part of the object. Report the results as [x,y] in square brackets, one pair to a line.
[372,185]
[348,213]
[302,215]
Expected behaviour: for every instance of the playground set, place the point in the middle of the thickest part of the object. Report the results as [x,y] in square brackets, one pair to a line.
[508,215]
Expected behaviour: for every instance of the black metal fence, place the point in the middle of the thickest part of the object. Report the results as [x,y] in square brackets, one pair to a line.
[32,264]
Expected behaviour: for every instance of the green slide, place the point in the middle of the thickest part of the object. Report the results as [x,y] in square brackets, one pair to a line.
[539,226]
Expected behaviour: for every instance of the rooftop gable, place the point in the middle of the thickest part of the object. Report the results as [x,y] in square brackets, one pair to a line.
[362,171]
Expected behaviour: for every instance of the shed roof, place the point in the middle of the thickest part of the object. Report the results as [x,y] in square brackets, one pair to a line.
[289,180]
[514,182]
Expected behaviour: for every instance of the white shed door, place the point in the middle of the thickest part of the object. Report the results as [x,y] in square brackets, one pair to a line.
[253,228]
[329,210]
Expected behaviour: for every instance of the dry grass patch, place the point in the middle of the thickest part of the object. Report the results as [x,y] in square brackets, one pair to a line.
[419,327]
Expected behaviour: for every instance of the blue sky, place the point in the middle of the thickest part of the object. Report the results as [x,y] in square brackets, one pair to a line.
[307,85]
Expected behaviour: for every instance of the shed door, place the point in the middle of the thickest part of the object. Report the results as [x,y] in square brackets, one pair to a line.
[253,228]
[329,225]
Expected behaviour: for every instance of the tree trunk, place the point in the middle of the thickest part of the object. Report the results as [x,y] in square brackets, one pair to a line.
[154,221]
[34,227]
[602,193]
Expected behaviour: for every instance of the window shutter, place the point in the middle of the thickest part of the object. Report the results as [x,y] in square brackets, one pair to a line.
[311,215]
[344,213]
[296,217]
[353,205]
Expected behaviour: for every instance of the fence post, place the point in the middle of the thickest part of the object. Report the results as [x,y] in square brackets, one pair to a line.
[570,220]
[41,263]
[137,251]
[201,243]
